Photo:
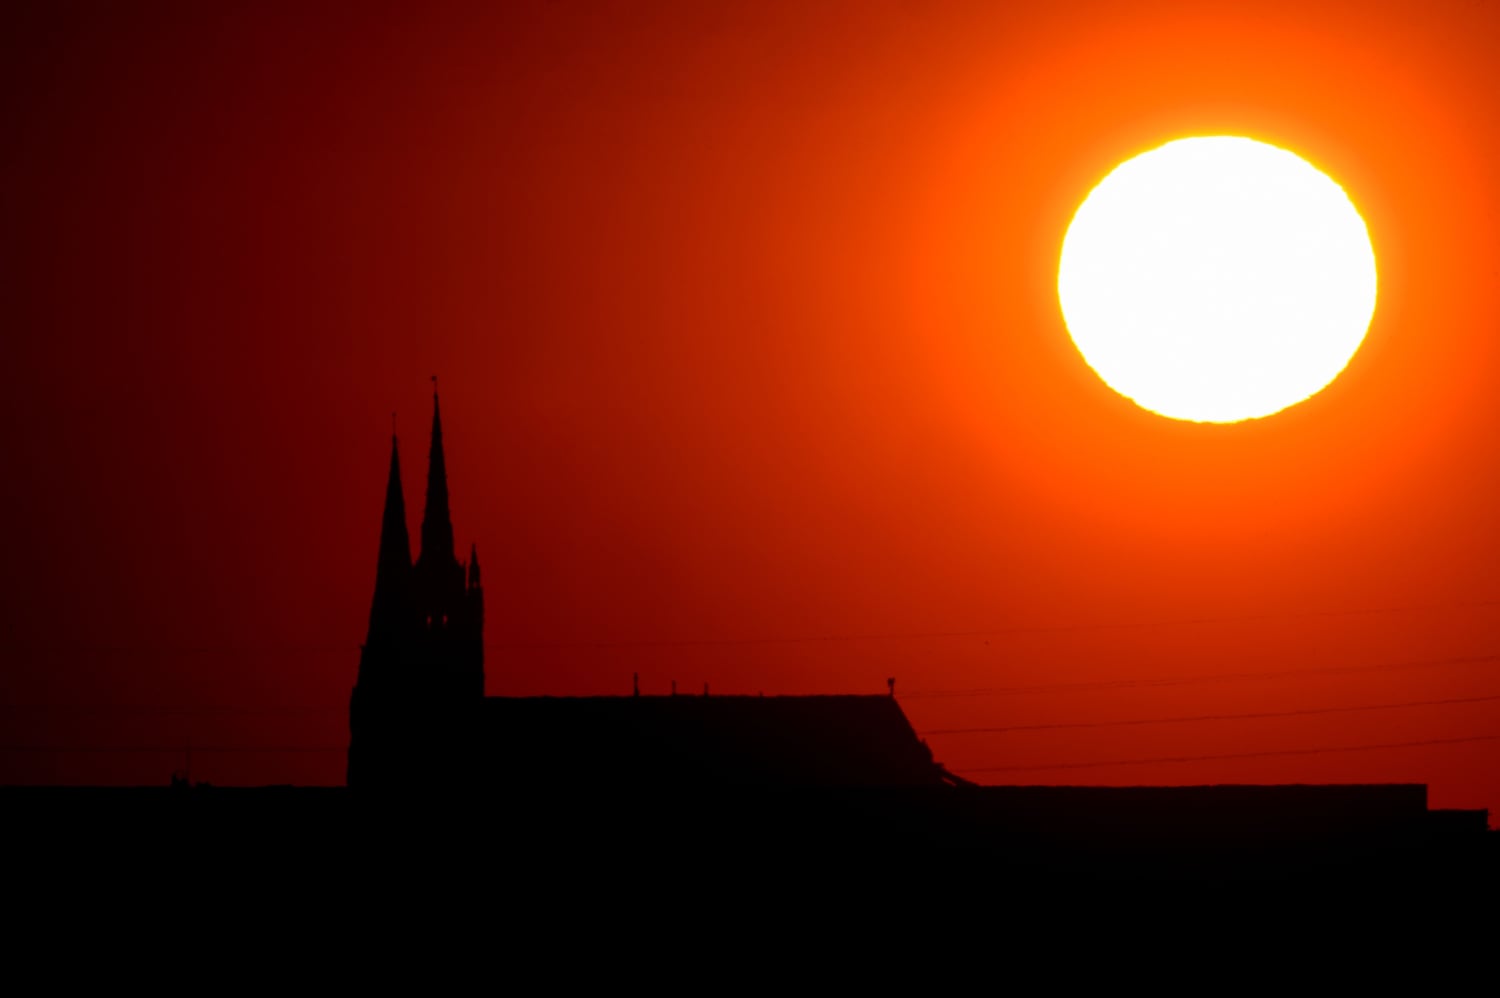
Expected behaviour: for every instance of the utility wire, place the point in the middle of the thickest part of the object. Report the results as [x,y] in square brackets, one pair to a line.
[1103,684]
[984,632]
[1193,718]
[1158,760]
[1098,684]
[1096,764]
[171,749]
[86,708]
[342,648]
[992,631]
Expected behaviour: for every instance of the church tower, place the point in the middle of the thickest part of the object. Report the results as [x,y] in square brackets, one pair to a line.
[421,670]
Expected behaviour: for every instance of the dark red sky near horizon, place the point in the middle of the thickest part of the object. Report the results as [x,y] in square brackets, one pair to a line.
[753,375]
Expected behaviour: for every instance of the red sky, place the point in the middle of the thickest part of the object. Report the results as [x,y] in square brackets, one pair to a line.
[753,374]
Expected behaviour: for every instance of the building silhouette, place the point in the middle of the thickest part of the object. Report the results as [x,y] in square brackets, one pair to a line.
[419,719]
[796,771]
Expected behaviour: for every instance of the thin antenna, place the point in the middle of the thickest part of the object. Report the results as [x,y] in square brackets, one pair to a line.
[635,684]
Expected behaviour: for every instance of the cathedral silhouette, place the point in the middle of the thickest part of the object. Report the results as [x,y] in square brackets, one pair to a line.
[419,717]
[738,772]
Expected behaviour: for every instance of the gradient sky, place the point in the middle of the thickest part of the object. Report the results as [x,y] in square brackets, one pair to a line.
[753,374]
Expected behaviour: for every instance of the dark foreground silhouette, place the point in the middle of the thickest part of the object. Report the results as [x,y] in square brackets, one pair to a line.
[699,786]
[731,777]
[1378,835]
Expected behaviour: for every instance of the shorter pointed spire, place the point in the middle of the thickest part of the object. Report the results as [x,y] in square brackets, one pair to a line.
[393,564]
[395,543]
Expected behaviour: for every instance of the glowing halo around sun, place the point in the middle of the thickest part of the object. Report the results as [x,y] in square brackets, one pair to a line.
[1217,279]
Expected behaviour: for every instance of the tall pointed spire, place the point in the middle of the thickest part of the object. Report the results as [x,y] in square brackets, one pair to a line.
[393,565]
[437,525]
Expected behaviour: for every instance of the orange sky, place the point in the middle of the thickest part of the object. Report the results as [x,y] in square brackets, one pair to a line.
[753,375]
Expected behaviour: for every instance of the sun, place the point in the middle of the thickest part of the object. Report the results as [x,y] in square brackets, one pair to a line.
[1217,279]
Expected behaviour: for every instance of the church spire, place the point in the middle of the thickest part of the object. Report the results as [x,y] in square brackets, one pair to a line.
[437,525]
[393,565]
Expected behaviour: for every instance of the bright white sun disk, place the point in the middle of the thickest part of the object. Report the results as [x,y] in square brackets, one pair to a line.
[1217,279]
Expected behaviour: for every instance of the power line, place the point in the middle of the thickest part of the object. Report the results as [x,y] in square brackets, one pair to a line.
[63,708]
[80,651]
[1096,764]
[1101,764]
[1104,684]
[171,749]
[1098,684]
[342,648]
[1258,715]
[991,631]
[984,632]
